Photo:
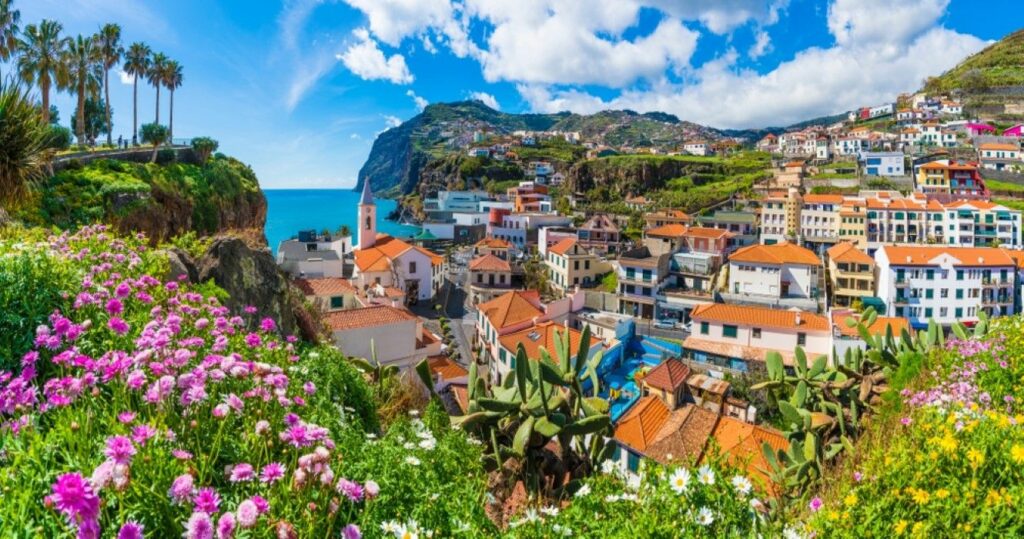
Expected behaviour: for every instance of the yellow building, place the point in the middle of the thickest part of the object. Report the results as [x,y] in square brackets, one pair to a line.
[851,274]
[570,265]
[853,223]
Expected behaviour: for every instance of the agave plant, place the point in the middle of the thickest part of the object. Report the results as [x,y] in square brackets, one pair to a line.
[542,401]
[23,144]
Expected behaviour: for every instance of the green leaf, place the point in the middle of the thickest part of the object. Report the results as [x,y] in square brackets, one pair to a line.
[471,420]
[549,426]
[522,436]
[495,405]
[594,406]
[818,366]
[521,372]
[801,360]
[423,370]
[584,351]
[587,425]
[790,413]
[774,363]
[799,397]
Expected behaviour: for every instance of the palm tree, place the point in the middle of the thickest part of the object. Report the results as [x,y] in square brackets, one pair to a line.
[83,65]
[23,143]
[136,64]
[39,62]
[109,40]
[155,76]
[9,19]
[172,81]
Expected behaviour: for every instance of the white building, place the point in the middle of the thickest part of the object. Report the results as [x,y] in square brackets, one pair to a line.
[946,284]
[397,335]
[773,272]
[882,163]
[314,255]
[697,147]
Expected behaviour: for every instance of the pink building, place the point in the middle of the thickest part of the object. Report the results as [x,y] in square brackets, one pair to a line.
[980,129]
[1015,131]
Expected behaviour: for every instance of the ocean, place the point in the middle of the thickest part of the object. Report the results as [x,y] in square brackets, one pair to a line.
[291,210]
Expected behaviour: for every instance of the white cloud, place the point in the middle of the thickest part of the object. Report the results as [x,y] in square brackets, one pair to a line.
[722,16]
[486,99]
[762,45]
[856,71]
[420,102]
[392,121]
[293,19]
[305,75]
[355,136]
[125,77]
[861,22]
[366,60]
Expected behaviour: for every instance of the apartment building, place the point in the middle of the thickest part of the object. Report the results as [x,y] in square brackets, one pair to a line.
[853,226]
[666,217]
[311,254]
[737,338]
[945,178]
[741,224]
[979,223]
[570,265]
[946,284]
[1001,156]
[600,233]
[819,220]
[851,274]
[780,216]
[641,276]
[882,163]
[521,229]
[902,220]
[768,273]
[489,276]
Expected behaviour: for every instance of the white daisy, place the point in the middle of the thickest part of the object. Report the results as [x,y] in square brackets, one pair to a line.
[583,491]
[608,467]
[412,460]
[611,498]
[389,526]
[742,485]
[680,480]
[705,517]
[790,533]
[634,482]
[428,444]
[706,475]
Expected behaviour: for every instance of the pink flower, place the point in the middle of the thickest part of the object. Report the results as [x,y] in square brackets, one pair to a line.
[253,340]
[372,489]
[262,427]
[309,388]
[126,417]
[226,526]
[250,309]
[241,472]
[268,325]
[181,488]
[118,326]
[857,476]
[142,433]
[123,290]
[262,505]
[815,504]
[181,454]
[206,500]
[350,489]
[130,530]
[247,514]
[906,421]
[114,306]
[351,531]
[272,472]
[199,526]
[73,496]
[120,449]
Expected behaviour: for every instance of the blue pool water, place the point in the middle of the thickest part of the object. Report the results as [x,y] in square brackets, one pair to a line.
[622,379]
[291,210]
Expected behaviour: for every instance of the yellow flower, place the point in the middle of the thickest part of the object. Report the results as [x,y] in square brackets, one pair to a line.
[975,457]
[900,527]
[921,497]
[993,498]
[918,528]
[947,443]
[850,500]
[1017,453]
[942,494]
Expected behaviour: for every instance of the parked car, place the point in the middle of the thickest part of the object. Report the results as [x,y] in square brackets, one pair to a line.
[664,324]
[685,326]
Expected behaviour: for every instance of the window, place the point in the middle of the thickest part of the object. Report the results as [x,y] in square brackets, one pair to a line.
[930,274]
[959,275]
[586,264]
[337,302]
[927,312]
[729,331]
[959,293]
[944,293]
[576,264]
[479,277]
[412,268]
[929,293]
[959,312]
[756,333]
[704,328]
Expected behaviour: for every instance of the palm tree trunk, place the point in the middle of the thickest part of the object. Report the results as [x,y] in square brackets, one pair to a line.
[106,102]
[158,104]
[80,117]
[44,88]
[135,110]
[170,130]
[155,147]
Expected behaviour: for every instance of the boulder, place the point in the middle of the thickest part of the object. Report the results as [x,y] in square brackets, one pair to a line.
[181,264]
[251,277]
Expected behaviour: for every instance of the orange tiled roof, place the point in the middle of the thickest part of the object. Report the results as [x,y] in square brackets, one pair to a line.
[562,247]
[999,146]
[494,243]
[749,315]
[935,165]
[512,308]
[1017,256]
[741,445]
[878,328]
[542,334]
[489,262]
[848,252]
[385,250]
[446,368]
[325,286]
[671,230]
[669,375]
[673,214]
[778,254]
[923,255]
[976,204]
[377,315]
[823,199]
[683,436]
[707,232]
[642,423]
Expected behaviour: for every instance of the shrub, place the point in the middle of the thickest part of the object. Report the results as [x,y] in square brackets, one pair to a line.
[59,138]
[166,156]
[203,147]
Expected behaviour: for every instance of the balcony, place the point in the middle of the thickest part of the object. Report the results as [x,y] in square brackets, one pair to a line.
[997,300]
[688,293]
[902,283]
[995,283]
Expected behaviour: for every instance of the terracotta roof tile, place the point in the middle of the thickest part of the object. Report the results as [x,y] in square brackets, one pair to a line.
[997,146]
[494,243]
[1017,256]
[741,445]
[377,315]
[446,368]
[489,262]
[758,316]
[563,246]
[848,252]
[542,335]
[823,199]
[670,375]
[924,255]
[684,436]
[778,254]
[671,230]
[642,423]
[512,308]
[325,286]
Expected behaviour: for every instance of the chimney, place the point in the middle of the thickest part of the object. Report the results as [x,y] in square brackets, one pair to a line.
[798,318]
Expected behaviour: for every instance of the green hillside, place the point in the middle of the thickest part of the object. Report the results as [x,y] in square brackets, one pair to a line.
[991,82]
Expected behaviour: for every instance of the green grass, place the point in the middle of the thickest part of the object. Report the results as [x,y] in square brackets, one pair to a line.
[997,185]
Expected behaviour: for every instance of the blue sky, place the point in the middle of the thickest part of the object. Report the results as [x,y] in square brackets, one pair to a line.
[300,88]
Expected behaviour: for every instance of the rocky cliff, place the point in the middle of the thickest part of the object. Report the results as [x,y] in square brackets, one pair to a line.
[638,174]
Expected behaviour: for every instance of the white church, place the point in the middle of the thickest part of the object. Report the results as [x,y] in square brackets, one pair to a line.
[390,262]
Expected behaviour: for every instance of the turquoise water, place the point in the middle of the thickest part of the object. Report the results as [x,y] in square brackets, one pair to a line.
[291,210]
